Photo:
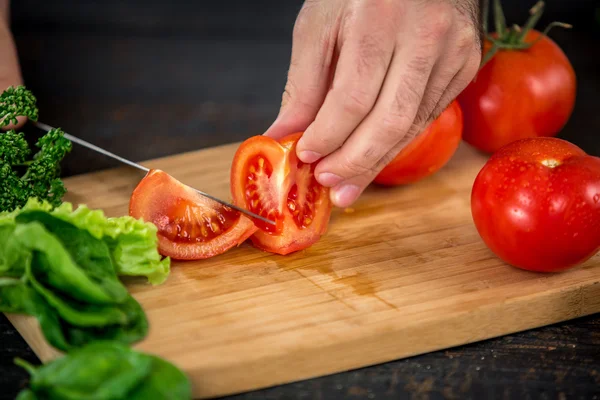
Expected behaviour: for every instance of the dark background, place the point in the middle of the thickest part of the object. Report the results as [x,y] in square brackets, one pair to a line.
[151,78]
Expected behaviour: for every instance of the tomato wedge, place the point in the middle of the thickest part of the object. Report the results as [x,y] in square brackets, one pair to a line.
[190,226]
[268,179]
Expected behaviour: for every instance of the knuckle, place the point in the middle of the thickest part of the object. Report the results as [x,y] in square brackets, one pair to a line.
[355,101]
[439,23]
[419,66]
[302,25]
[292,94]
[425,114]
[386,159]
[360,163]
[394,125]
[436,111]
[406,97]
[472,65]
[371,54]
[323,144]
[466,40]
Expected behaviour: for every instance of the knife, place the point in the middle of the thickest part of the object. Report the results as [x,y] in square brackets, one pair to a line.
[83,143]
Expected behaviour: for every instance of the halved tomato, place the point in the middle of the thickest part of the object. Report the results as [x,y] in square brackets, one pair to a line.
[268,179]
[190,226]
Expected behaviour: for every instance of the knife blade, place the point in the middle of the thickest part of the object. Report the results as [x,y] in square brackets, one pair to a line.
[81,142]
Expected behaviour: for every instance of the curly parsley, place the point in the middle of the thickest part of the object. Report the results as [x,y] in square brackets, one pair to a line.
[22,176]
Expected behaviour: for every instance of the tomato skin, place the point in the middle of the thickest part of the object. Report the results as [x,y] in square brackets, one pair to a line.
[428,152]
[519,94]
[537,217]
[161,199]
[273,194]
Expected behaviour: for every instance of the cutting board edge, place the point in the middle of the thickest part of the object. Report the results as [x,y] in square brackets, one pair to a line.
[586,296]
[554,306]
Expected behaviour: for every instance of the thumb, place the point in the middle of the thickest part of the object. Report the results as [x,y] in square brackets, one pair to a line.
[10,73]
[309,73]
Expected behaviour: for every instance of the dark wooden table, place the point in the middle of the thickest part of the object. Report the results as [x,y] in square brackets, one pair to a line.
[147,79]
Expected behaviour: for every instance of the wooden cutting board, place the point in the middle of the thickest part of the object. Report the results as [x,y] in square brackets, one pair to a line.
[403,273]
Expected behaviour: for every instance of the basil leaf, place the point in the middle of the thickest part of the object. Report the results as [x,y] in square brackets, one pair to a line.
[100,371]
[17,297]
[107,370]
[90,254]
[75,312]
[165,382]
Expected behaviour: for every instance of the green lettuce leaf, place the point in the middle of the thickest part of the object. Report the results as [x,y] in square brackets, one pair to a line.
[70,300]
[88,253]
[132,242]
[13,256]
[17,297]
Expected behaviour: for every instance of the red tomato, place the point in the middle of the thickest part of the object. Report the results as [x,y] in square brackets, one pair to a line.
[536,204]
[428,153]
[268,179]
[190,226]
[519,94]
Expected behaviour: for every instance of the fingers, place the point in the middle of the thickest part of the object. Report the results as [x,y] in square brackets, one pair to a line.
[391,119]
[376,140]
[415,93]
[10,74]
[365,55]
[463,59]
[309,72]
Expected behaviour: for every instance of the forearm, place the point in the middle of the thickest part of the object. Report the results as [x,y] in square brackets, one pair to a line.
[10,73]
[4,11]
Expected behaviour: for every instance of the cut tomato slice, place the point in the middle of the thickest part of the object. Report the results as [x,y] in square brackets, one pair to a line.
[268,179]
[190,226]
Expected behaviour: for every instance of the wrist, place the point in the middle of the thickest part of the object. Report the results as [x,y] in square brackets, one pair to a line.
[4,12]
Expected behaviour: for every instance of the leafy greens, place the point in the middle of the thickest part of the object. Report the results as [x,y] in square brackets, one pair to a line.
[106,371]
[132,243]
[23,176]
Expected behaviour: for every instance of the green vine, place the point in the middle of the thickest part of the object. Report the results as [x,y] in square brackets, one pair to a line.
[513,38]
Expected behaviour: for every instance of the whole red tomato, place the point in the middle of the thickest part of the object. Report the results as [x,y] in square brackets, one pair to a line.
[428,153]
[519,94]
[536,204]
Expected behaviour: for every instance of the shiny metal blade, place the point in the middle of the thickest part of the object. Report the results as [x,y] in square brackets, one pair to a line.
[100,150]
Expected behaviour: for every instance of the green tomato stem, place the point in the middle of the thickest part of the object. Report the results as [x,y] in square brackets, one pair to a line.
[535,14]
[500,19]
[514,37]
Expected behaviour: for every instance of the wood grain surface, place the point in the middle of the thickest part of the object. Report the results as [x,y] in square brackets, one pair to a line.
[402,273]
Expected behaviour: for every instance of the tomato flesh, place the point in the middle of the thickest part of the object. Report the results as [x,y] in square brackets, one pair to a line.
[428,152]
[268,179]
[536,204]
[190,223]
[190,226]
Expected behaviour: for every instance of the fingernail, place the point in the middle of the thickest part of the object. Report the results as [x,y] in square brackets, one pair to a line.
[345,195]
[328,179]
[308,156]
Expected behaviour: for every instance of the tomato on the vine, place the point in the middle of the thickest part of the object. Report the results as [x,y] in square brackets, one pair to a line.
[526,89]
[190,226]
[428,152]
[268,179]
[536,204]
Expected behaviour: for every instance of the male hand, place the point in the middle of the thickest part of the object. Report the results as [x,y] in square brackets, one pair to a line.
[367,76]
[10,73]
